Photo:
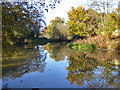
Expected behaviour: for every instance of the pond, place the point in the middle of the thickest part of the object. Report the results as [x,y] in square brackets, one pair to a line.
[54,65]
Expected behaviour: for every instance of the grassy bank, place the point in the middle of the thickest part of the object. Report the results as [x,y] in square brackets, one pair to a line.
[82,47]
[98,42]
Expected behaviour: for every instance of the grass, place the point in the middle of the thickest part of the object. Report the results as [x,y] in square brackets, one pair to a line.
[101,42]
[82,47]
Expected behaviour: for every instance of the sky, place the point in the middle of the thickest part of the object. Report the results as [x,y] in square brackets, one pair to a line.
[62,9]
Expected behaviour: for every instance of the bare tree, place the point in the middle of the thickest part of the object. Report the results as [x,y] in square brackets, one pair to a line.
[102,6]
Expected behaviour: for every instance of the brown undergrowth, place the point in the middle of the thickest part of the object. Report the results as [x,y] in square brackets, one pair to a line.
[102,42]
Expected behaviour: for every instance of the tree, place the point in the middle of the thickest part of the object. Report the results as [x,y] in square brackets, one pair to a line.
[77,26]
[57,20]
[83,70]
[110,24]
[92,19]
[15,22]
[57,29]
[23,19]
[103,7]
[82,22]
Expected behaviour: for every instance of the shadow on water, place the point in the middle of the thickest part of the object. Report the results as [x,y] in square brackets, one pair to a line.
[96,69]
[17,61]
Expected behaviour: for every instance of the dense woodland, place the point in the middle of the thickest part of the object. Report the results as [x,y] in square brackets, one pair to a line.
[23,21]
[88,22]
[97,25]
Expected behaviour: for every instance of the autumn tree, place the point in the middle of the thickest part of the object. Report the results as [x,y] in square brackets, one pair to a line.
[57,29]
[83,69]
[77,26]
[52,32]
[82,22]
[23,19]
[110,24]
[15,22]
[104,8]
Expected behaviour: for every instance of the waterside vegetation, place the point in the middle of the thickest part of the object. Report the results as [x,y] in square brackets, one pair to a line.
[89,28]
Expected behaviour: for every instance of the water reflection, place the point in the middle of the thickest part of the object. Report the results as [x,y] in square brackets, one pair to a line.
[92,73]
[57,51]
[19,60]
[96,69]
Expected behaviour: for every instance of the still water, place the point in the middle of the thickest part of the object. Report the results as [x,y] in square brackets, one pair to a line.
[54,65]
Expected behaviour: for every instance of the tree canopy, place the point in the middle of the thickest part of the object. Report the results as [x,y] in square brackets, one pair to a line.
[22,20]
[57,30]
[82,22]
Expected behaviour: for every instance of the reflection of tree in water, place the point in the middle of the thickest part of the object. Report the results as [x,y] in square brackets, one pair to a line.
[57,51]
[19,61]
[80,68]
[87,69]
[91,73]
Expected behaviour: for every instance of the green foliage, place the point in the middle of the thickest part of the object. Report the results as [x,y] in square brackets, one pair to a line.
[92,20]
[57,20]
[50,29]
[87,23]
[63,29]
[83,22]
[82,47]
[109,25]
[78,29]
[76,16]
[57,30]
[20,20]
